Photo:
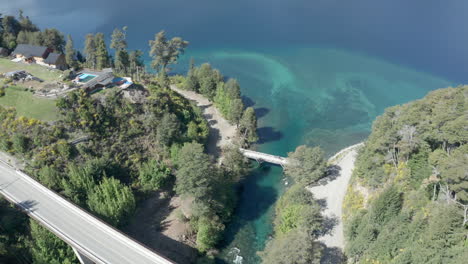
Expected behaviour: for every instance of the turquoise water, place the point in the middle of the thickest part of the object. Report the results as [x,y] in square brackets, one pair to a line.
[84,78]
[317,72]
[314,96]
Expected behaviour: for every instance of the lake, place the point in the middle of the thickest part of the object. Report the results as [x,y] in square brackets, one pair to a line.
[317,72]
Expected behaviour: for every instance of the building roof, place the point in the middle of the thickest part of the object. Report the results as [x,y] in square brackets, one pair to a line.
[53,58]
[103,77]
[29,50]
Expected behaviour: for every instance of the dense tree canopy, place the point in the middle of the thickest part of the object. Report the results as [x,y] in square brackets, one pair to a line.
[112,200]
[194,171]
[306,165]
[414,164]
[48,248]
[248,126]
[296,247]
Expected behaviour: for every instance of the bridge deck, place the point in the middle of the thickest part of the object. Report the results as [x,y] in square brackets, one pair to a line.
[91,237]
[264,157]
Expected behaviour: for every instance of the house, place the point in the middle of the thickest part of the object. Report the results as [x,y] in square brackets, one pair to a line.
[92,80]
[55,61]
[4,52]
[31,53]
[40,55]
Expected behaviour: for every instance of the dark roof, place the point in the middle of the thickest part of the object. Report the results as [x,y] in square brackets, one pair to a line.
[29,50]
[103,77]
[52,58]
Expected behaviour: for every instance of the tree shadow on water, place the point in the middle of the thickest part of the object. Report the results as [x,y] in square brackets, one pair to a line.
[248,102]
[268,134]
[254,202]
[261,112]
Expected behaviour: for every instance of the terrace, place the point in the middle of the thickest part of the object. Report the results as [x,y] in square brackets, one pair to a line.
[92,80]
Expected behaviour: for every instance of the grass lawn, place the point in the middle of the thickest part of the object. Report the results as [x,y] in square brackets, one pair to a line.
[28,105]
[39,71]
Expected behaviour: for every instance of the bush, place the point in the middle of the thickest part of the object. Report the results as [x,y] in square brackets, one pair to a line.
[112,201]
[2,91]
[153,175]
[306,165]
[297,209]
[296,247]
[386,206]
[20,143]
[209,232]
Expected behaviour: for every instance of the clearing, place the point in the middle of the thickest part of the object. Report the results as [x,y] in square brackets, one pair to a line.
[44,73]
[28,105]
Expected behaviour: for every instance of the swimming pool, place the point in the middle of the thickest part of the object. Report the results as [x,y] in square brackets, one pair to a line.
[84,78]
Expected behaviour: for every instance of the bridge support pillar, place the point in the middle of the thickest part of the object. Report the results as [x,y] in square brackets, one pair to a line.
[82,258]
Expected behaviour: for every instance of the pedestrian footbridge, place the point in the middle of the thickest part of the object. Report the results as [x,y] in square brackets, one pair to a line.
[264,157]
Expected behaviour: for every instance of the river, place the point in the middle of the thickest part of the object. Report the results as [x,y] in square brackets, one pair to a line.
[317,72]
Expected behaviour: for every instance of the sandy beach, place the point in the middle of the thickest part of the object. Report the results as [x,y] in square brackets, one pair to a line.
[332,194]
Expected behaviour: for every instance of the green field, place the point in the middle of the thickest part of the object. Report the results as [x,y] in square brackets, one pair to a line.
[28,105]
[39,71]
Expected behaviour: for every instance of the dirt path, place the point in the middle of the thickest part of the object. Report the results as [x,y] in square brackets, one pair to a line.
[221,132]
[331,195]
[156,225]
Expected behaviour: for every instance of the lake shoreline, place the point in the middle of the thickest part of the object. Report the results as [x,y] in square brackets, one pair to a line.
[221,131]
[332,193]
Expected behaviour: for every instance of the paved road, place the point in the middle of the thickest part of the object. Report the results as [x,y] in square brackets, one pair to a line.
[90,236]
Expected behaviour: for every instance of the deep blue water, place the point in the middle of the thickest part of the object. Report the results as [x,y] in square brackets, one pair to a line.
[316,71]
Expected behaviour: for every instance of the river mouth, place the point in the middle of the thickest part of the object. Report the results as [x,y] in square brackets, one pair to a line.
[315,96]
[251,225]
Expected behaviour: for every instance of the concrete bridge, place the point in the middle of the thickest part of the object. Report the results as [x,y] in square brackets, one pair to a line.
[263,157]
[92,240]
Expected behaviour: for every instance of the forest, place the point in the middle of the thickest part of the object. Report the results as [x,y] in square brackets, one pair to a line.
[125,150]
[408,199]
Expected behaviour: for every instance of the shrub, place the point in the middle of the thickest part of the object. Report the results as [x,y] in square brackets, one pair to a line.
[386,206]
[209,232]
[153,175]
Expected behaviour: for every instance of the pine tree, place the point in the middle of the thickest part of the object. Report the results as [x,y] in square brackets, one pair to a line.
[112,200]
[164,51]
[248,126]
[136,65]
[53,39]
[119,44]
[70,53]
[102,55]
[90,51]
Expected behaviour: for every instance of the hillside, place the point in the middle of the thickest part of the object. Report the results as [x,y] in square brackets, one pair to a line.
[408,198]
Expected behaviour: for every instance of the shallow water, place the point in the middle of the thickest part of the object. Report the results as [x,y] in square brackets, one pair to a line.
[313,96]
[305,66]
